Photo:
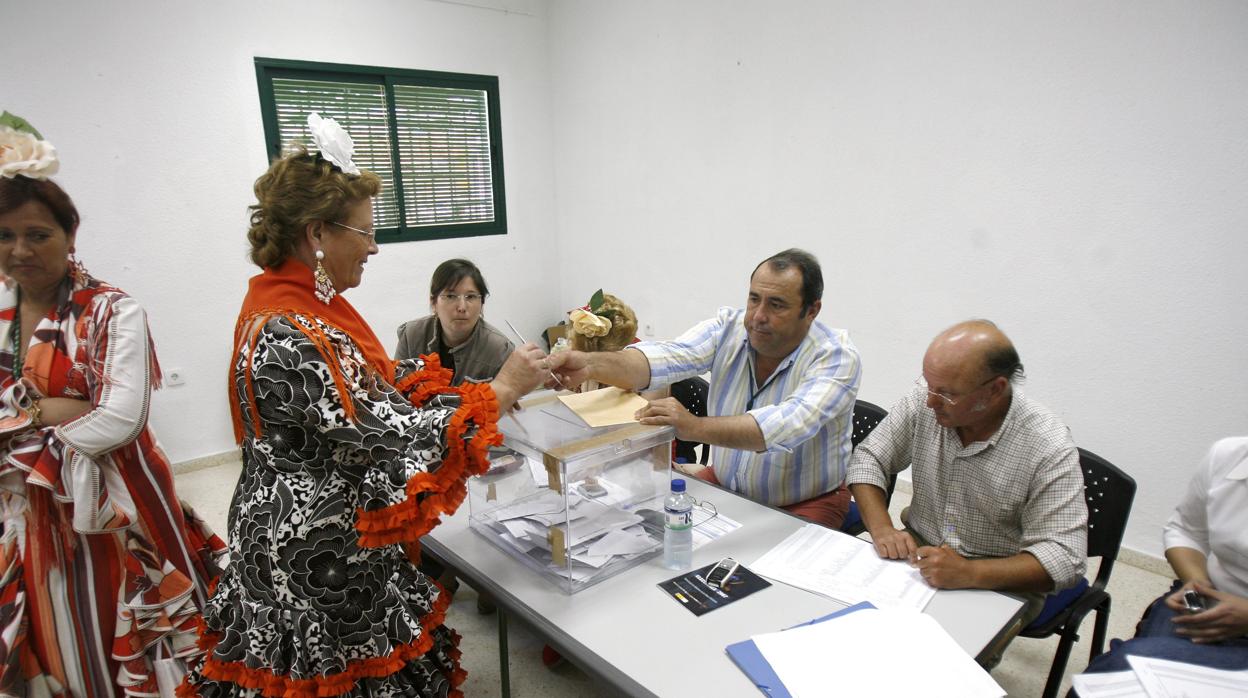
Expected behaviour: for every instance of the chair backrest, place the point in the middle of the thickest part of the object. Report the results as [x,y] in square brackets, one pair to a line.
[866,417]
[1109,492]
[692,392]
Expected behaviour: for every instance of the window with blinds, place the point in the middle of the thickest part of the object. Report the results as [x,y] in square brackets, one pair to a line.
[432,138]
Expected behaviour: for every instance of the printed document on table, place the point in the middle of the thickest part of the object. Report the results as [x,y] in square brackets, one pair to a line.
[934,665]
[708,526]
[843,568]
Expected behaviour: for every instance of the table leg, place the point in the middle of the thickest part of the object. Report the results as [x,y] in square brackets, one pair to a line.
[504,671]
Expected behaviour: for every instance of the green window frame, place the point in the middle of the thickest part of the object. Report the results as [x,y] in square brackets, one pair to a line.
[433,138]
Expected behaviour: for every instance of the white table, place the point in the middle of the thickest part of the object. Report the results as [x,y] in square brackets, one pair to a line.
[629,633]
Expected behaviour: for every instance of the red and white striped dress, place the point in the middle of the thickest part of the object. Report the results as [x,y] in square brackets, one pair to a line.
[103,571]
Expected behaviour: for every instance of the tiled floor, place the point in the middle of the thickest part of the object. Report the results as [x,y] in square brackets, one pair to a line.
[1022,672]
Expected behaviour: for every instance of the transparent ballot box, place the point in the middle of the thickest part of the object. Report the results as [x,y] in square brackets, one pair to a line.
[577,504]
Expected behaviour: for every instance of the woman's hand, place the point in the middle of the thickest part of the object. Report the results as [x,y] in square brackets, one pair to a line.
[58,410]
[526,368]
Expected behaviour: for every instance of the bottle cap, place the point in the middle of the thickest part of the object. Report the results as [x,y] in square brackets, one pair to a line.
[678,485]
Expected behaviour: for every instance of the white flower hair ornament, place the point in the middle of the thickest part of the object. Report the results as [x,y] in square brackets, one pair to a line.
[333,141]
[23,151]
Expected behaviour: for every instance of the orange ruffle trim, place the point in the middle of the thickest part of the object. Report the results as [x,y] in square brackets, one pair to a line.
[273,685]
[415,516]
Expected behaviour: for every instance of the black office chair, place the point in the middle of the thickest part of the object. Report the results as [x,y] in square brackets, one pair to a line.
[1109,492]
[866,417]
[691,393]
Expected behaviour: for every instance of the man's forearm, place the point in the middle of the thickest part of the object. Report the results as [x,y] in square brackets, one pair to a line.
[1021,572]
[628,369]
[740,432]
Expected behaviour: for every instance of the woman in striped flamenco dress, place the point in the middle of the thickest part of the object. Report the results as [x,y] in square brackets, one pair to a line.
[103,571]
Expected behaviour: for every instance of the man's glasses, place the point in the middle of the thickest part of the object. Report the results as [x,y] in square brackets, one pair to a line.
[951,400]
[455,298]
[371,235]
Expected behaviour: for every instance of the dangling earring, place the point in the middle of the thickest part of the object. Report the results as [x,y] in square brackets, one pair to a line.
[324,287]
[77,270]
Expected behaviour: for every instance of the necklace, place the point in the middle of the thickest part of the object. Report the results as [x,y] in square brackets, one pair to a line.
[15,336]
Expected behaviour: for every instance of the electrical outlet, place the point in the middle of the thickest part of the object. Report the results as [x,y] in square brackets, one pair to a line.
[175,376]
[649,330]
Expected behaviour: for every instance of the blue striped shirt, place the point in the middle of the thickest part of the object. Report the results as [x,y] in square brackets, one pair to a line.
[804,409]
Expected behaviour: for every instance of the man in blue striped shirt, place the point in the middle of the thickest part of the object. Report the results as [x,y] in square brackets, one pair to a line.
[780,408]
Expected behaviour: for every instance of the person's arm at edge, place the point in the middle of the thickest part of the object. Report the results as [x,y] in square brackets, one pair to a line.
[1186,535]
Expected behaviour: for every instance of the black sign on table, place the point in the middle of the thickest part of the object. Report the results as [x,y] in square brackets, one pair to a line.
[691,590]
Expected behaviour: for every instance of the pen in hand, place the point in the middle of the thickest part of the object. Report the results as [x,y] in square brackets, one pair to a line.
[524,341]
[948,538]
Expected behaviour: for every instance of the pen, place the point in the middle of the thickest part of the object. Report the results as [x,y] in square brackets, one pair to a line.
[525,341]
[948,538]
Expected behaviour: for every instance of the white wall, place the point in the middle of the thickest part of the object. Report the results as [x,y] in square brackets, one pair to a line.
[1075,171]
[155,111]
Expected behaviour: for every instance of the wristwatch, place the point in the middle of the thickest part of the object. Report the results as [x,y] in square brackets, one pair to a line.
[35,413]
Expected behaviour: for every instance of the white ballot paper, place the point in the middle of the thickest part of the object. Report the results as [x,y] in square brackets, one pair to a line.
[866,645]
[547,502]
[843,568]
[628,541]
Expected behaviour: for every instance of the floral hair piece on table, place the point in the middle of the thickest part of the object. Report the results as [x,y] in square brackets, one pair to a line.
[586,319]
[23,150]
[333,141]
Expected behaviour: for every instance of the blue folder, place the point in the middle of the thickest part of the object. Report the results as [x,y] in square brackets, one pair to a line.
[751,661]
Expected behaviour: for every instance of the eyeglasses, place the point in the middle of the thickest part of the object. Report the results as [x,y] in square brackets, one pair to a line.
[951,400]
[454,298]
[370,234]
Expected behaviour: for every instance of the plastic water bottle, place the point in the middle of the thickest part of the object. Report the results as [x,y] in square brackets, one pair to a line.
[678,528]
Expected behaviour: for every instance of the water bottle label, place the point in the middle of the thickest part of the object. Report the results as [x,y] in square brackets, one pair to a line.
[679,519]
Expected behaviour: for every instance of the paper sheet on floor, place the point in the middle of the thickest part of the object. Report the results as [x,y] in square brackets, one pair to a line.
[843,568]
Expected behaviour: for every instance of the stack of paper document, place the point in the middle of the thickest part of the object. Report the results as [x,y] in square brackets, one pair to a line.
[858,651]
[596,534]
[843,568]
[1160,678]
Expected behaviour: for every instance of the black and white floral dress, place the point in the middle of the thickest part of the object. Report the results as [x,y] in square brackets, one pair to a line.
[321,597]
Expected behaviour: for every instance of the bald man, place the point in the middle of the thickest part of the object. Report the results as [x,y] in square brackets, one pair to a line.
[998,496]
